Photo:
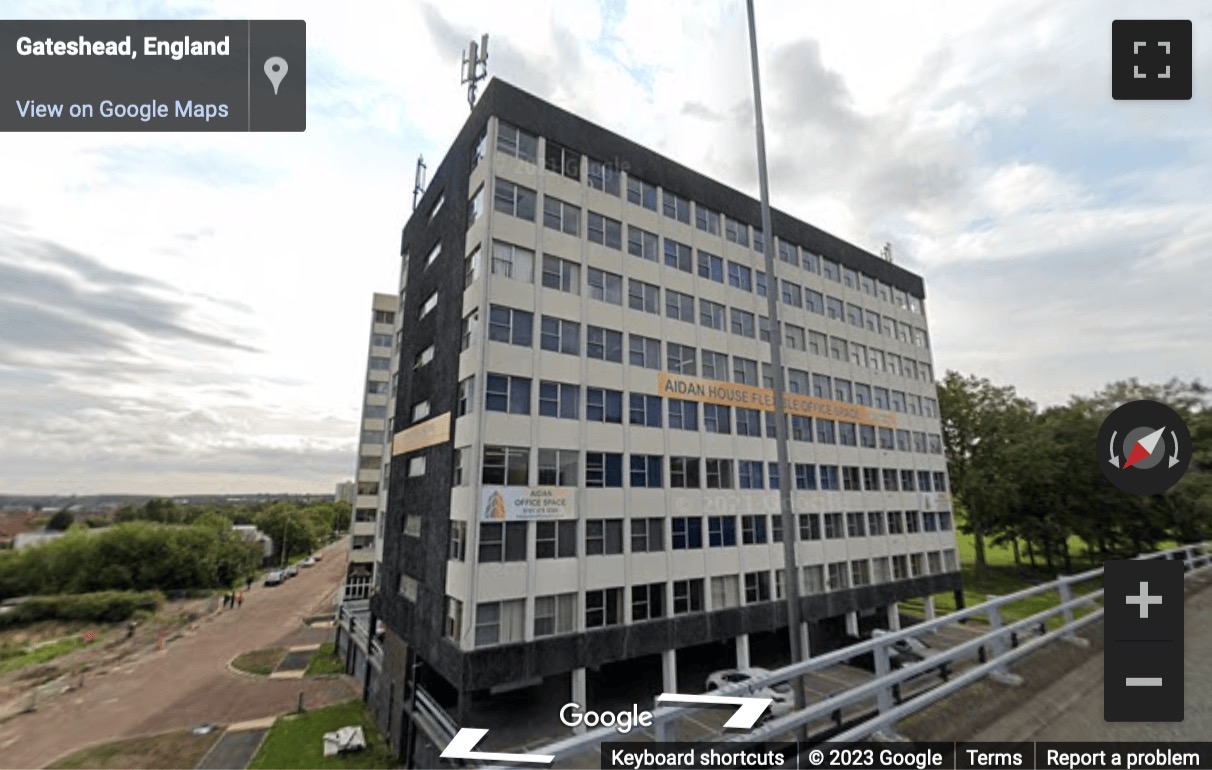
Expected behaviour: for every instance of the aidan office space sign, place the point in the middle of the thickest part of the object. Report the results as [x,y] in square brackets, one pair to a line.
[527,503]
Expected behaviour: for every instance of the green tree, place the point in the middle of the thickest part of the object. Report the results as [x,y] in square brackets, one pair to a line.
[985,429]
[61,521]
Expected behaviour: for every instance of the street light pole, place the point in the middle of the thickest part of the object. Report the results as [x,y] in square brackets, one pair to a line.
[791,582]
[285,528]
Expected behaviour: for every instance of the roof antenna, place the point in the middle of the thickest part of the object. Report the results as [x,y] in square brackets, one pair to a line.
[475,68]
[419,185]
[886,252]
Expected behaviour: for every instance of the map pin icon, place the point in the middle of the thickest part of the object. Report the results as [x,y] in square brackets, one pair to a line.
[275,70]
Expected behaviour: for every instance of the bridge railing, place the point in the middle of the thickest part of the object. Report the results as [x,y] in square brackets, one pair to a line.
[995,648]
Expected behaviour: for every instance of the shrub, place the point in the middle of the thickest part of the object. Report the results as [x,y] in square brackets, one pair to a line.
[101,607]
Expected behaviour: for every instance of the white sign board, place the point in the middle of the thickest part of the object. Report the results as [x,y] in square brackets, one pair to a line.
[527,503]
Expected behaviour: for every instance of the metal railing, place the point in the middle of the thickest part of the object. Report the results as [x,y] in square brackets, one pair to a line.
[994,648]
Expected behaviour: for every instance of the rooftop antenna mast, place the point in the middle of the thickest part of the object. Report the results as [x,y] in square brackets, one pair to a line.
[419,185]
[475,67]
[886,252]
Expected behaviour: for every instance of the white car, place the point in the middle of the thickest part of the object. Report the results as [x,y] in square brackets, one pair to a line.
[781,694]
[308,562]
[274,578]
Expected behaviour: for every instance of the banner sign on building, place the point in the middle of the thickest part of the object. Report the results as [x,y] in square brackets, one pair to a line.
[527,503]
[753,397]
[421,435]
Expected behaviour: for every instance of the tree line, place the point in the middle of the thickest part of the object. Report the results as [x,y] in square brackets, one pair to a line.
[1030,478]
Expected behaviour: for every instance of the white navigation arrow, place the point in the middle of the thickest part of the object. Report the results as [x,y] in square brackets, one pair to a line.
[1174,457]
[460,747]
[746,716]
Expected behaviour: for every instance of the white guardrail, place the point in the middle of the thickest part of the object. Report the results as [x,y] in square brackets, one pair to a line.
[995,648]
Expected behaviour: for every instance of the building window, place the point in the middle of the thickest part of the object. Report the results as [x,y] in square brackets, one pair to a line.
[507,394]
[810,526]
[717,418]
[715,365]
[385,317]
[794,337]
[687,532]
[641,193]
[719,473]
[647,602]
[603,607]
[423,358]
[838,576]
[788,253]
[759,283]
[643,244]
[561,160]
[838,349]
[742,323]
[603,469]
[500,622]
[829,478]
[846,434]
[678,255]
[428,305]
[825,432]
[706,220]
[420,410]
[416,466]
[458,541]
[434,253]
[647,535]
[791,293]
[518,143]
[512,261]
[645,410]
[900,567]
[555,614]
[913,524]
[606,287]
[555,539]
[559,399]
[514,200]
[940,481]
[725,592]
[753,529]
[929,521]
[454,618]
[856,525]
[687,596]
[559,467]
[506,465]
[736,232]
[711,267]
[502,541]
[711,314]
[749,474]
[560,336]
[468,329]
[606,231]
[860,572]
[721,531]
[907,480]
[480,148]
[646,471]
[683,415]
[604,177]
[748,422]
[461,456]
[676,207]
[604,344]
[805,476]
[644,351]
[871,479]
[561,274]
[801,427]
[602,405]
[684,472]
[558,215]
[466,396]
[740,277]
[757,587]
[475,206]
[643,296]
[679,306]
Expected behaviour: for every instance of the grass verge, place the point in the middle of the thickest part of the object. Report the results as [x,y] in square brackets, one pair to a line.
[171,751]
[297,741]
[43,654]
[260,662]
[325,661]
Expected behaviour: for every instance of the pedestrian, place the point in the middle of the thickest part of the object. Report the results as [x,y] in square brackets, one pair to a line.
[240,599]
[248,583]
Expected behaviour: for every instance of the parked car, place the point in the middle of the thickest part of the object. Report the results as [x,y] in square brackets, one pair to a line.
[903,652]
[781,694]
[308,562]
[317,556]
[274,578]
[291,570]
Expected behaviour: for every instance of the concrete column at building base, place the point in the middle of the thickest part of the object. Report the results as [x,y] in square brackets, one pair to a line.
[669,671]
[804,645]
[578,694]
[930,611]
[852,623]
[742,651]
[894,617]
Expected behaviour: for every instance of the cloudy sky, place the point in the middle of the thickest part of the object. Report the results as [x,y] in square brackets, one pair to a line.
[189,313]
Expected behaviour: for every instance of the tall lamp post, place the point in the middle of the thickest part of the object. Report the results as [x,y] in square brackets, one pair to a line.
[285,528]
[791,582]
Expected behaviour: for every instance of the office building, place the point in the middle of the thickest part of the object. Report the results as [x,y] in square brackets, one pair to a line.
[583,465]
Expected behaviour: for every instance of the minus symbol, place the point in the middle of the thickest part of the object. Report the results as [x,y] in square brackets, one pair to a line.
[1143,681]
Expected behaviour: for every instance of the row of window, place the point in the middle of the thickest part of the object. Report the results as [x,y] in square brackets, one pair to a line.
[503,622]
[515,395]
[518,263]
[510,466]
[607,178]
[510,541]
[516,327]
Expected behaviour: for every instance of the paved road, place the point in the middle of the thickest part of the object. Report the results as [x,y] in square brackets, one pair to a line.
[188,683]
[1072,708]
[234,750]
